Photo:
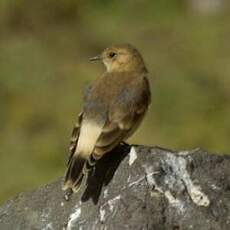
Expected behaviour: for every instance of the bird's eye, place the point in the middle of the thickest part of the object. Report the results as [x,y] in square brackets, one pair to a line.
[112,54]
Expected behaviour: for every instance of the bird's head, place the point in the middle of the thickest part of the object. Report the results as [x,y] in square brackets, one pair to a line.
[118,58]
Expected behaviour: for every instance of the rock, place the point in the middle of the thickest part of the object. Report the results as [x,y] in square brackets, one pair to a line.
[137,188]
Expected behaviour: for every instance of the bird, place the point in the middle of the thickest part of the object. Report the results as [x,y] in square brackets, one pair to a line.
[114,105]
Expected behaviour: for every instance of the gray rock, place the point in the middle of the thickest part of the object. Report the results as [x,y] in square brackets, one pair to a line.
[137,188]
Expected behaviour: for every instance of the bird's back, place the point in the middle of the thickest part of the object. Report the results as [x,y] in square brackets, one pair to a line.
[114,90]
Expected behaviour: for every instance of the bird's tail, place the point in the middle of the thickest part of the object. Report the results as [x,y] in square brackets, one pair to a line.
[80,159]
[78,167]
[75,173]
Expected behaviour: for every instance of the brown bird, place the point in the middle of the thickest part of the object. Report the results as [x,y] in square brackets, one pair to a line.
[114,106]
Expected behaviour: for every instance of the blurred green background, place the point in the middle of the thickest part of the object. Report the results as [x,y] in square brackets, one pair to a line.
[44,50]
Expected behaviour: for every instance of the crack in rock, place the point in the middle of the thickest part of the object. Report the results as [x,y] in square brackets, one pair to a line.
[111,205]
[49,226]
[73,218]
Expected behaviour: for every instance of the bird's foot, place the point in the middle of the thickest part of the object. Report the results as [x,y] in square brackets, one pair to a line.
[68,194]
[125,143]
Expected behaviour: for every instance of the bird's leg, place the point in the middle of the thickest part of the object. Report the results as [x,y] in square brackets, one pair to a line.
[125,143]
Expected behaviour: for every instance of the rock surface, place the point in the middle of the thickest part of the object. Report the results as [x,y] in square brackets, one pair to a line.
[133,188]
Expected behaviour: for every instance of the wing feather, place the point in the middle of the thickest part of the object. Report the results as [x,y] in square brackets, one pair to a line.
[74,137]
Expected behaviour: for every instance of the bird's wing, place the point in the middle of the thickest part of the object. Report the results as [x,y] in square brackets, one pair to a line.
[124,116]
[74,137]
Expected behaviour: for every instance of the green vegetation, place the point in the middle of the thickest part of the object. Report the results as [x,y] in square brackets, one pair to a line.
[44,66]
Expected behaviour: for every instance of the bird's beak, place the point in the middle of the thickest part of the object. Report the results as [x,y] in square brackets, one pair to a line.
[96,58]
